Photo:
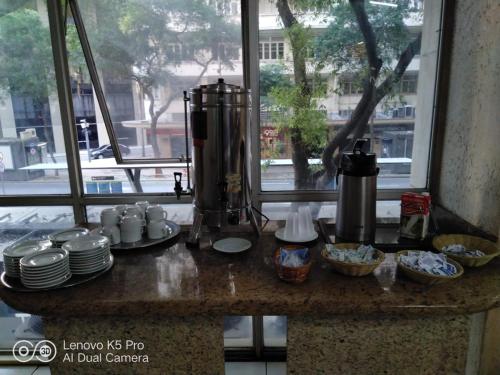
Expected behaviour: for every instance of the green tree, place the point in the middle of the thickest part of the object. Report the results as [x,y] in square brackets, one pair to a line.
[26,66]
[361,39]
[133,40]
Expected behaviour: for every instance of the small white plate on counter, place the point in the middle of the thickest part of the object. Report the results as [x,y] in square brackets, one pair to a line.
[58,238]
[232,245]
[280,235]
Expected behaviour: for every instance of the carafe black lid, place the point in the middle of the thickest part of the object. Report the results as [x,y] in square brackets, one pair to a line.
[357,162]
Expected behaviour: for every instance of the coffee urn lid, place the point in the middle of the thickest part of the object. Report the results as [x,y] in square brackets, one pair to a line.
[357,162]
[220,87]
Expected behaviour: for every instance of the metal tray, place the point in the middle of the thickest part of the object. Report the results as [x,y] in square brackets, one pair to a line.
[175,229]
[15,284]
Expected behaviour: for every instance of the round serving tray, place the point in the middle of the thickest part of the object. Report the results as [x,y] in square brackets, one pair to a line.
[16,285]
[175,229]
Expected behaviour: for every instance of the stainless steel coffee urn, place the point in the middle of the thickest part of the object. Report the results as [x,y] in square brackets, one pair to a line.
[220,119]
[356,207]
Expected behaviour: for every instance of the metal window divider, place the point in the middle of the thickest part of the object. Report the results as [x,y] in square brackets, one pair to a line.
[57,34]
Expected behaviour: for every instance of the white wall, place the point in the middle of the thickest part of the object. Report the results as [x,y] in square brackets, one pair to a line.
[470,174]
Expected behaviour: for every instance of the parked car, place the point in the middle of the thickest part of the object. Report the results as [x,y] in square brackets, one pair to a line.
[105,151]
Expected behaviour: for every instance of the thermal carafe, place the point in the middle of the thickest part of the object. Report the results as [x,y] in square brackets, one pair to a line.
[356,206]
[220,117]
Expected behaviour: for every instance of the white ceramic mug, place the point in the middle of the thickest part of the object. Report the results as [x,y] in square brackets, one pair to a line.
[143,205]
[121,208]
[155,212]
[131,228]
[110,216]
[133,210]
[157,229]
[112,232]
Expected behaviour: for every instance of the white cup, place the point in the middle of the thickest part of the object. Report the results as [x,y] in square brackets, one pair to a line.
[110,216]
[157,229]
[112,232]
[133,210]
[121,208]
[156,212]
[131,228]
[142,205]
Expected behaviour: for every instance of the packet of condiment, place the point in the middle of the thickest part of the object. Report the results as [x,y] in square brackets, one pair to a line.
[415,212]
[296,257]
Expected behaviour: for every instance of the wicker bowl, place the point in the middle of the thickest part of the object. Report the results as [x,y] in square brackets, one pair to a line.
[470,242]
[425,277]
[352,269]
[294,275]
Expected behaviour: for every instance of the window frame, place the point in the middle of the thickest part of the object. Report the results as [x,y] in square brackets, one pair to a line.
[250,42]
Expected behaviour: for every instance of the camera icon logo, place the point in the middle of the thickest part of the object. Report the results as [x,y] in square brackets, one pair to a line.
[44,351]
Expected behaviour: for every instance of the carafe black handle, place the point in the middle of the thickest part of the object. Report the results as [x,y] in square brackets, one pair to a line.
[358,145]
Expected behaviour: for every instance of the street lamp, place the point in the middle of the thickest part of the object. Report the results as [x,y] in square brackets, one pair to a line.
[85,127]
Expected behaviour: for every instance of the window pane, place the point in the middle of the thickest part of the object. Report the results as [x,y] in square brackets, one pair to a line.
[273,51]
[387,211]
[21,224]
[137,50]
[32,153]
[275,331]
[238,331]
[306,118]
[100,172]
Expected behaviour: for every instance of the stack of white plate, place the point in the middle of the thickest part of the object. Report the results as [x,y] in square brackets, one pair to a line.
[60,237]
[88,254]
[13,254]
[45,269]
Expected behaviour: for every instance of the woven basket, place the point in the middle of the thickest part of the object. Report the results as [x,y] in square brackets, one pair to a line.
[352,269]
[291,274]
[425,277]
[470,242]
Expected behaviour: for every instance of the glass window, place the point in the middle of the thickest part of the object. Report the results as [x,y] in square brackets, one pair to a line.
[100,172]
[138,49]
[275,330]
[272,50]
[387,211]
[238,331]
[32,152]
[338,77]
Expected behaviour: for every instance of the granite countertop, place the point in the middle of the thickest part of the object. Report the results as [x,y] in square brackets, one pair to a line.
[173,280]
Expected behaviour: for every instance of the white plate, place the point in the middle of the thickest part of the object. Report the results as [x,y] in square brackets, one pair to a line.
[88,253]
[89,261]
[44,258]
[279,234]
[90,270]
[21,249]
[89,265]
[67,235]
[49,284]
[232,245]
[86,243]
[44,279]
[43,271]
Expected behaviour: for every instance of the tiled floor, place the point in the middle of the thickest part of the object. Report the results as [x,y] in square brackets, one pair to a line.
[232,368]
[255,368]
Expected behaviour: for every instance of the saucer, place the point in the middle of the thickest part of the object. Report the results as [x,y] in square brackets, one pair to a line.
[232,245]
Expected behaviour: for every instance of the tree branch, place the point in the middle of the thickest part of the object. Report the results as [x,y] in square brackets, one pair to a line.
[371,97]
[286,14]
[404,60]
[358,7]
